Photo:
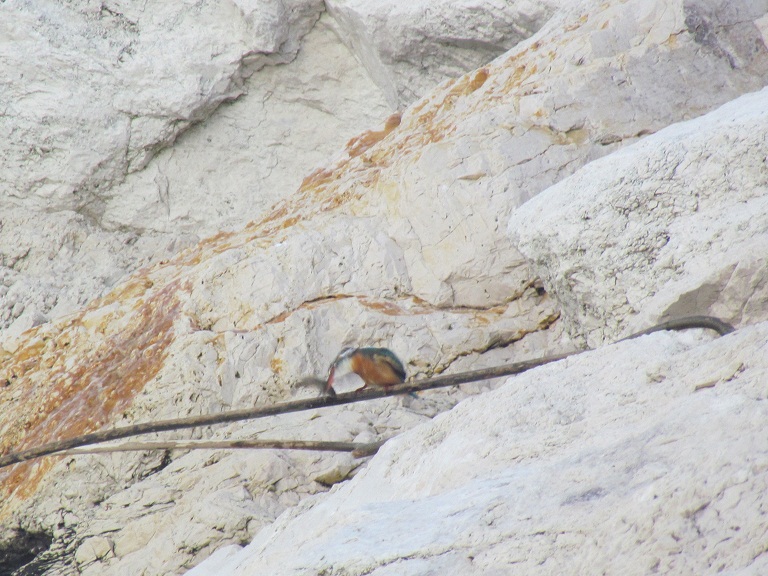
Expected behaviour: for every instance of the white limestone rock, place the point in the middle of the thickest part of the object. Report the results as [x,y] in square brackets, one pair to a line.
[609,462]
[410,47]
[53,263]
[256,150]
[220,174]
[494,139]
[216,561]
[674,225]
[94,89]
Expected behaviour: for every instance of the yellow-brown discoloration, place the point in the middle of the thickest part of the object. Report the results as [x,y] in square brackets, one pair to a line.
[69,380]
[360,144]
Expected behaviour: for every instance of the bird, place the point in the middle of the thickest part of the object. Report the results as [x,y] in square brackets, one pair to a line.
[377,367]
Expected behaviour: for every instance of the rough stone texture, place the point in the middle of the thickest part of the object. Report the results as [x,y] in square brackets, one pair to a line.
[630,239]
[120,81]
[400,240]
[109,213]
[52,264]
[494,139]
[256,150]
[410,47]
[611,462]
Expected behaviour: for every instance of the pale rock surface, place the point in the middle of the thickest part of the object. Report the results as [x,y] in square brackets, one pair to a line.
[217,561]
[408,47]
[631,459]
[672,226]
[496,138]
[52,264]
[379,247]
[256,150]
[94,89]
[101,223]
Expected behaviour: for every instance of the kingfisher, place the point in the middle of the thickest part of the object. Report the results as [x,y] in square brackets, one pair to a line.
[376,366]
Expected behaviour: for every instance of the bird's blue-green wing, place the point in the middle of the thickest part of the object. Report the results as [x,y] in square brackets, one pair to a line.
[386,355]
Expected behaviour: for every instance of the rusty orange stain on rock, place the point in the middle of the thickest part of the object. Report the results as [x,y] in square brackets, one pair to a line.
[480,77]
[361,143]
[133,288]
[68,381]
[384,306]
[308,305]
[317,178]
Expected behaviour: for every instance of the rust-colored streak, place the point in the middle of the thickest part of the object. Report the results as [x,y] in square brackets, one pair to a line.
[360,144]
[70,381]
[475,83]
[308,305]
[131,289]
[431,119]
[385,307]
[317,178]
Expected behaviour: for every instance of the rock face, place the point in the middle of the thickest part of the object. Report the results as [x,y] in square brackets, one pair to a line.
[629,239]
[411,237]
[131,81]
[409,47]
[256,150]
[91,188]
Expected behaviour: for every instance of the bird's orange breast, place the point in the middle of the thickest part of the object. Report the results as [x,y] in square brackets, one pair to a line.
[374,373]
